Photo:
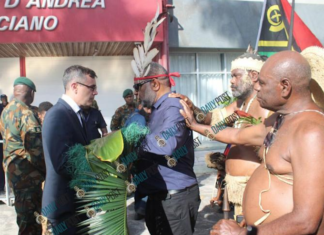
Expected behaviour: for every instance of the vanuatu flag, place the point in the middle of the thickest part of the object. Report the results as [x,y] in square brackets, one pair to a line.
[274,35]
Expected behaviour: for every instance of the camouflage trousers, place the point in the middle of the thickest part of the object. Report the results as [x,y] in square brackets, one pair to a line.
[26,183]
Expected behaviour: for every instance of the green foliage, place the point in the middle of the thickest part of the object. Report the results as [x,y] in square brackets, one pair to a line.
[107,148]
[77,164]
[86,163]
[133,133]
[249,120]
[228,102]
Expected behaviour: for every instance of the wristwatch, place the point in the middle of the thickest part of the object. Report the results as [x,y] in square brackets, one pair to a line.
[200,117]
[252,230]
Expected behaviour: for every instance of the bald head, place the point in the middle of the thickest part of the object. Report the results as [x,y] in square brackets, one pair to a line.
[290,65]
[24,93]
[284,81]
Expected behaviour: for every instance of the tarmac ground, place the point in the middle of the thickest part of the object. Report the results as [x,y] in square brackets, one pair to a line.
[207,216]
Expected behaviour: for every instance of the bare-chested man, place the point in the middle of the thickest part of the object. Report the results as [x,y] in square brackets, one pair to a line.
[241,160]
[285,194]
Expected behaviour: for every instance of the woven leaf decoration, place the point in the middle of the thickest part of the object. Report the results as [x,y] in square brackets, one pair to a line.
[143,56]
[104,190]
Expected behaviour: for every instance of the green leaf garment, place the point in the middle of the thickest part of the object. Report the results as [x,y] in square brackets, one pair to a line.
[100,181]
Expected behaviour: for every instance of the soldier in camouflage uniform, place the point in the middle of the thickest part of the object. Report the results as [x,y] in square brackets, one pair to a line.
[23,155]
[4,103]
[95,105]
[123,112]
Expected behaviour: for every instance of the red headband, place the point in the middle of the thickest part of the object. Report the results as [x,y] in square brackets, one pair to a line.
[161,75]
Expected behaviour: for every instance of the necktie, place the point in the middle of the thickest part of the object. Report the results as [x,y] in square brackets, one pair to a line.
[83,122]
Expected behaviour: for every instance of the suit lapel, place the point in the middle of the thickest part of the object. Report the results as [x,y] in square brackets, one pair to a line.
[76,120]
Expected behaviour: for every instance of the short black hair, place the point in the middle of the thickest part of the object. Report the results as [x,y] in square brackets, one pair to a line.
[44,106]
[157,69]
[77,71]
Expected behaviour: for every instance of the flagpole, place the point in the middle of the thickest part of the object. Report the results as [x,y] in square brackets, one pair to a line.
[291,24]
[260,26]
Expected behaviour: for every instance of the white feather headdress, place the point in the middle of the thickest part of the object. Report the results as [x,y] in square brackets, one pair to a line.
[250,60]
[143,56]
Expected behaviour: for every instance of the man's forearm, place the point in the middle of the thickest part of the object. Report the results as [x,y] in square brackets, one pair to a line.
[290,224]
[34,151]
[251,136]
[201,117]
[224,136]
[37,161]
[104,131]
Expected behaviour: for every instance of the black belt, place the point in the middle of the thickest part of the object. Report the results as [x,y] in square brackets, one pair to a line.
[172,192]
[168,194]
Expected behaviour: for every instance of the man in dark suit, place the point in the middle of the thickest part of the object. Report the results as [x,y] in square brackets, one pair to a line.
[2,176]
[64,127]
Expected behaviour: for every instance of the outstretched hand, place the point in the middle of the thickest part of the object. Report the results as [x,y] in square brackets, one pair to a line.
[147,110]
[187,113]
[182,97]
[227,227]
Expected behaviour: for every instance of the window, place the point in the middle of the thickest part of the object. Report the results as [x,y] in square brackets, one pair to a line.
[204,76]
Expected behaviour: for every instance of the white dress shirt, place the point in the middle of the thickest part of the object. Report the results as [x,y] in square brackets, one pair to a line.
[73,105]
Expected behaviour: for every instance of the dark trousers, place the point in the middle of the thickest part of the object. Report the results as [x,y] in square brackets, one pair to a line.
[173,214]
[27,201]
[140,203]
[26,183]
[2,175]
[68,224]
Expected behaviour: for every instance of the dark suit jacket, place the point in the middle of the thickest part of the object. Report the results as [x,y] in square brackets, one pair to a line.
[61,130]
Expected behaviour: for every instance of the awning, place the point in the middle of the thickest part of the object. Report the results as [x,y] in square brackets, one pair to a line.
[66,49]
[74,27]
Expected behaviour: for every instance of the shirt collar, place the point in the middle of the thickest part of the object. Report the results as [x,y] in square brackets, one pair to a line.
[71,102]
[20,102]
[161,100]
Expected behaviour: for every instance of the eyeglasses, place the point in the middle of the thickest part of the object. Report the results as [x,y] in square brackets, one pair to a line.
[138,85]
[93,87]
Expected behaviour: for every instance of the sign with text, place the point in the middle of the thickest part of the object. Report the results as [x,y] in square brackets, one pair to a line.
[32,21]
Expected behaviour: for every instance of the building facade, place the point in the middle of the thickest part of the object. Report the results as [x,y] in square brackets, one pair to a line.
[206,35]
[41,38]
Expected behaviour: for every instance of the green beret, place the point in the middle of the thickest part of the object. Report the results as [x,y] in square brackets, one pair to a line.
[127,92]
[25,81]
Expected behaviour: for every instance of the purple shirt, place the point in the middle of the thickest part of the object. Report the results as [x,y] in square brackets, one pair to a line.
[166,123]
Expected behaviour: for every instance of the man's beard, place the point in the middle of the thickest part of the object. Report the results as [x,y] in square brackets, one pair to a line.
[149,97]
[244,89]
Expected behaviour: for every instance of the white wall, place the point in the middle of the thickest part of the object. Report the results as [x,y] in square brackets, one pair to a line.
[114,76]
[9,70]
